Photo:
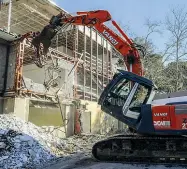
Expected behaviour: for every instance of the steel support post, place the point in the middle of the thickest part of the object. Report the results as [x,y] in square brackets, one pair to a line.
[19,67]
[97,65]
[66,42]
[9,15]
[91,52]
[103,53]
[84,70]
[107,58]
[75,53]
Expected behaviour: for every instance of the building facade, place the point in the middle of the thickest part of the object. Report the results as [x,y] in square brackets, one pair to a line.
[79,60]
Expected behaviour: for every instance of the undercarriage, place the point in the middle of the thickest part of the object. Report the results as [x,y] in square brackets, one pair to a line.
[142,149]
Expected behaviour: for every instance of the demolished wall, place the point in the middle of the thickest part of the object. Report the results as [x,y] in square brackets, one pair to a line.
[49,79]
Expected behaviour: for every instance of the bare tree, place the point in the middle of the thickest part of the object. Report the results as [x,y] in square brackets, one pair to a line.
[176,25]
[152,28]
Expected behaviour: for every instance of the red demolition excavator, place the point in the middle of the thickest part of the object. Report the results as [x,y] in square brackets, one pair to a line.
[159,129]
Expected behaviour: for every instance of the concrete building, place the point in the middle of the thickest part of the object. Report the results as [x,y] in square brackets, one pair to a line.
[29,90]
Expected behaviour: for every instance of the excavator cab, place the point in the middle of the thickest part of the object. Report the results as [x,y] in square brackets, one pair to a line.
[126,96]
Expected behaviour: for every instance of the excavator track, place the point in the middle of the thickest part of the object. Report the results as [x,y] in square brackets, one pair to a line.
[142,149]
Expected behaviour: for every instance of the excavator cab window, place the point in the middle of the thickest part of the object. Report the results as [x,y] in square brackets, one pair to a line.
[119,94]
[139,98]
[124,95]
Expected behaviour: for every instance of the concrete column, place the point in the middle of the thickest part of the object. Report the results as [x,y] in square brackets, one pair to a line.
[21,108]
[68,113]
[86,121]
[17,106]
[69,116]
[93,116]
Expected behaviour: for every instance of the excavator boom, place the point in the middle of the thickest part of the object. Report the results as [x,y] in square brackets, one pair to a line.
[96,19]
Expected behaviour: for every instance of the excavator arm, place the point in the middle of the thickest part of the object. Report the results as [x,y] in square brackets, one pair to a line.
[96,19]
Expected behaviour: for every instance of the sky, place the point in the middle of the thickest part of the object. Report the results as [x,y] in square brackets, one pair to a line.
[132,13]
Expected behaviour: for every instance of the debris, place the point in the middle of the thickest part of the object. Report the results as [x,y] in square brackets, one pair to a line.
[24,145]
[21,150]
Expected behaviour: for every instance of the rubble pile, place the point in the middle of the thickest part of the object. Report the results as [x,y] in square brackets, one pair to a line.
[21,151]
[78,144]
[24,145]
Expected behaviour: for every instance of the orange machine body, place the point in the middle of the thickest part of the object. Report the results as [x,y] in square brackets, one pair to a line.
[170,117]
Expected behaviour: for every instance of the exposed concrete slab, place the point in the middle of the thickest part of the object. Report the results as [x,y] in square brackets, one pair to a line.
[8,36]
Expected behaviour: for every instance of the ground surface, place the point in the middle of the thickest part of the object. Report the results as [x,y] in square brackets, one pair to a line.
[24,145]
[83,162]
